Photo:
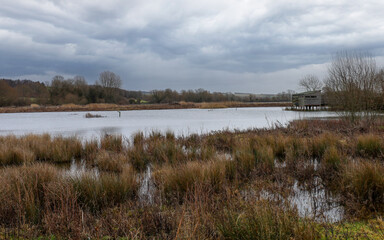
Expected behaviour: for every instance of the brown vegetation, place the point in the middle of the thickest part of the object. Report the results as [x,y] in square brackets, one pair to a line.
[115,107]
[222,185]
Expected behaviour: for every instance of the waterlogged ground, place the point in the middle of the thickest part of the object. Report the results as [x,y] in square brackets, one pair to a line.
[315,202]
[179,121]
[317,179]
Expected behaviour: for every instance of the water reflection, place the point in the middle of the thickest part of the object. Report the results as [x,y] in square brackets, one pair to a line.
[316,202]
[77,168]
[110,131]
[147,188]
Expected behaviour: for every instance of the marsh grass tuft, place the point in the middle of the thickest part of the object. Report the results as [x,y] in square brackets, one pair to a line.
[15,155]
[331,163]
[369,146]
[138,139]
[109,161]
[166,152]
[112,143]
[222,141]
[202,186]
[320,144]
[138,157]
[62,214]
[363,183]
[22,191]
[90,150]
[98,192]
[175,181]
[65,149]
[264,221]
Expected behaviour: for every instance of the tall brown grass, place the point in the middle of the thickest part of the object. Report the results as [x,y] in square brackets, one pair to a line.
[113,162]
[204,186]
[63,215]
[319,144]
[263,220]
[29,148]
[98,192]
[112,143]
[175,181]
[370,146]
[15,155]
[90,150]
[22,192]
[363,186]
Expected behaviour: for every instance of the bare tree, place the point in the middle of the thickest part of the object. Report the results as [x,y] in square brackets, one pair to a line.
[110,83]
[353,84]
[79,81]
[109,80]
[311,83]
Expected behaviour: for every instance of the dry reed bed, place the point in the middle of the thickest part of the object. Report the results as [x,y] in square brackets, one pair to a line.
[197,180]
[115,107]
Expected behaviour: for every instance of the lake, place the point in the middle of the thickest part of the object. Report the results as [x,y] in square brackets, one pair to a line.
[180,121]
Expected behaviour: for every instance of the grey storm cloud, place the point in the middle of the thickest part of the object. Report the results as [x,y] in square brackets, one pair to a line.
[220,45]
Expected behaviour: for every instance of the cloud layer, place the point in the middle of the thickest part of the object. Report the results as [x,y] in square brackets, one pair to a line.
[219,45]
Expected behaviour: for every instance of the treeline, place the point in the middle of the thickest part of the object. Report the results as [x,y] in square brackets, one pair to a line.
[201,95]
[22,92]
[107,89]
[77,91]
[61,91]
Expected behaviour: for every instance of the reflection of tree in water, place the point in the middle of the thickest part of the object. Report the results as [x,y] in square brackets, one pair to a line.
[316,202]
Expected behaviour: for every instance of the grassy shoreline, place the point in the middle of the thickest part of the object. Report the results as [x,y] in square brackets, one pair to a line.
[115,107]
[221,185]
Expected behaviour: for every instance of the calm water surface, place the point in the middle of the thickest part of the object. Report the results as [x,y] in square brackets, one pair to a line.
[180,121]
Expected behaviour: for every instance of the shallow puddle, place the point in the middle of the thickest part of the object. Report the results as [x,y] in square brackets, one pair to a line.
[316,202]
[77,168]
[312,201]
[147,187]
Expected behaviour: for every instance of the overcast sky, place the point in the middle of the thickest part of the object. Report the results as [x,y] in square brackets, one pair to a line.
[219,45]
